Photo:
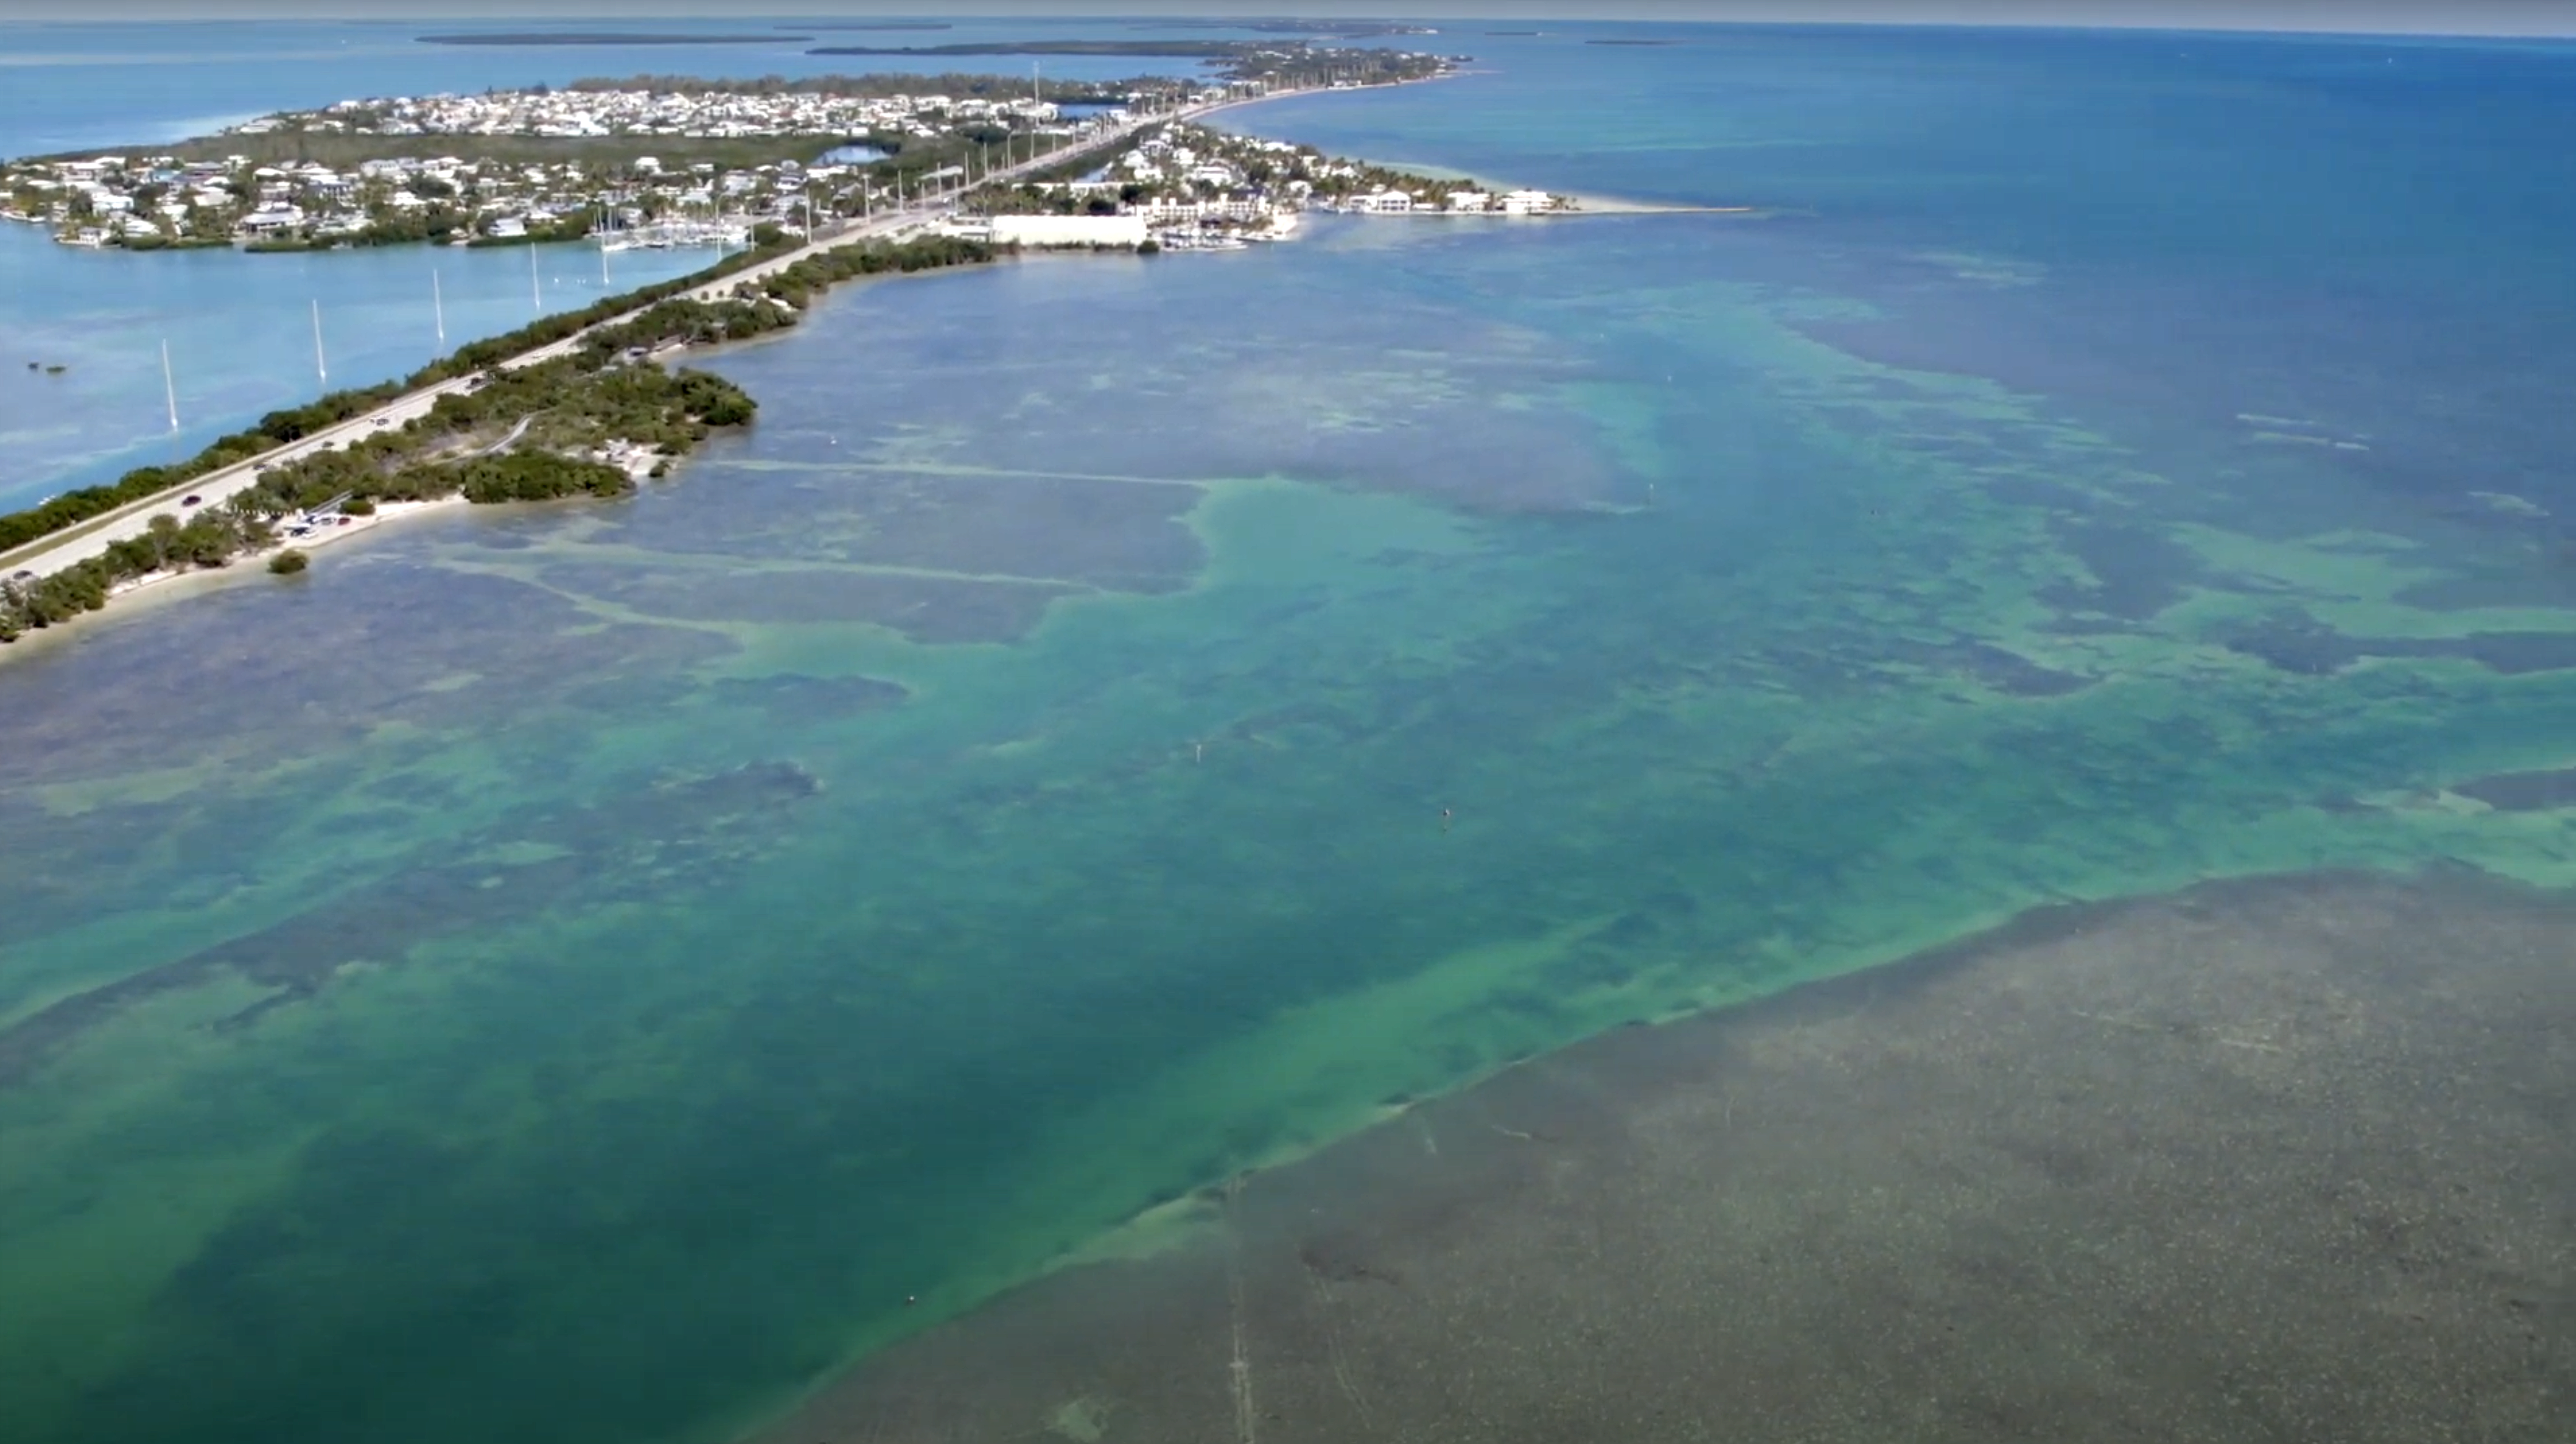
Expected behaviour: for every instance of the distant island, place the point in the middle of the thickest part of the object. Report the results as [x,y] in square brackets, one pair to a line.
[1295,64]
[871,25]
[1325,29]
[556,37]
[1167,49]
[1632,42]
[1291,64]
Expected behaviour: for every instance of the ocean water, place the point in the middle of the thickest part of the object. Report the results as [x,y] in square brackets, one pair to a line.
[585,972]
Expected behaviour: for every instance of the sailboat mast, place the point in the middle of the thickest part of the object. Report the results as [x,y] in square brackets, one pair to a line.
[169,388]
[321,371]
[438,308]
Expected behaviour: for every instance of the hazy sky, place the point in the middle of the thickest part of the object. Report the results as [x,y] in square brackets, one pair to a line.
[2513,17]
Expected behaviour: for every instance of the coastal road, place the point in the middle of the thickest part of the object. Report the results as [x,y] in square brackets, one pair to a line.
[92,538]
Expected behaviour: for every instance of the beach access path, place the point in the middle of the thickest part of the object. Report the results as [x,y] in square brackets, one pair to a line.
[92,538]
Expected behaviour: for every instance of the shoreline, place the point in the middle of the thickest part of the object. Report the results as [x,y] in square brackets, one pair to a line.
[1400,1241]
[1584,205]
[142,595]
[638,470]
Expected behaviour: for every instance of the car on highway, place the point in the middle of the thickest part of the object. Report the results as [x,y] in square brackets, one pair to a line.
[190,500]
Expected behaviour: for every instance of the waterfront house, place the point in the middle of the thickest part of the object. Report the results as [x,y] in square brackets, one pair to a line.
[269,220]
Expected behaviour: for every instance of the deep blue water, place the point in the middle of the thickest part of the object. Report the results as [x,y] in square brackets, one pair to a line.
[2367,232]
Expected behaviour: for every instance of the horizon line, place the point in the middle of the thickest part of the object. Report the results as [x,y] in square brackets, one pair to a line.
[194,17]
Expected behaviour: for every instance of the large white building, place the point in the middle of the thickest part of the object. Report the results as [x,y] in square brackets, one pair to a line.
[1069,230]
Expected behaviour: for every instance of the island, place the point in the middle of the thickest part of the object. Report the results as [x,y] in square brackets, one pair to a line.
[589,403]
[649,160]
[653,160]
[604,37]
[1297,64]
[1322,28]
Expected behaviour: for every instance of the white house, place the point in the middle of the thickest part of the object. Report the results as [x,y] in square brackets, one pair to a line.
[273,218]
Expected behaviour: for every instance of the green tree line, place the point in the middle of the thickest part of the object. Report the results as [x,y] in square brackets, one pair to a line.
[291,424]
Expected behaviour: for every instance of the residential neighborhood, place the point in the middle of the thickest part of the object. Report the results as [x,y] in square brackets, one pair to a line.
[146,203]
[514,167]
[1192,187]
[586,111]
[149,202]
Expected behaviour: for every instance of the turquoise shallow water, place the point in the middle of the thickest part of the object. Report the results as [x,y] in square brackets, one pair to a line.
[574,973]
